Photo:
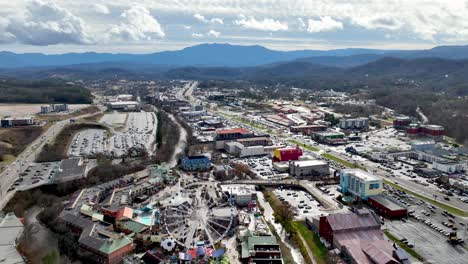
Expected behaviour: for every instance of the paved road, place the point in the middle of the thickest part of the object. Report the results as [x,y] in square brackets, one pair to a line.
[13,171]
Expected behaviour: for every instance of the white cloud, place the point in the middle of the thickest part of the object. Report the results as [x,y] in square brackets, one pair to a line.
[138,24]
[200,18]
[267,24]
[44,23]
[197,35]
[100,9]
[215,20]
[302,24]
[323,24]
[213,33]
[187,27]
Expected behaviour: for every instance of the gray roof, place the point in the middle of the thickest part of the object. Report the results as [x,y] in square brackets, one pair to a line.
[352,221]
[387,202]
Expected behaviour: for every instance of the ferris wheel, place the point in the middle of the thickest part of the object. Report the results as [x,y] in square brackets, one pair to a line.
[202,215]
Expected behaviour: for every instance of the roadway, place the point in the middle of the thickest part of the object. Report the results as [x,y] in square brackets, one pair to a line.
[29,155]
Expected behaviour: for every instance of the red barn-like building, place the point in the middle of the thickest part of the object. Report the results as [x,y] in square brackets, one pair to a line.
[287,154]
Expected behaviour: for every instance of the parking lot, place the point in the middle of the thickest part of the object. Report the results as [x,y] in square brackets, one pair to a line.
[304,204]
[263,168]
[427,241]
[36,174]
[88,142]
[139,131]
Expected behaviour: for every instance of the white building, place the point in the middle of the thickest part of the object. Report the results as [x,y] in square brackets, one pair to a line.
[308,168]
[448,166]
[241,195]
[239,150]
[354,123]
[125,106]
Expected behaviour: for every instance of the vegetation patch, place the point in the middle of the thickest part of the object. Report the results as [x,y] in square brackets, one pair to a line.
[15,140]
[58,117]
[44,91]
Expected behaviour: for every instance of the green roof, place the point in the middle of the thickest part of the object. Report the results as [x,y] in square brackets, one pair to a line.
[252,241]
[261,240]
[116,244]
[133,226]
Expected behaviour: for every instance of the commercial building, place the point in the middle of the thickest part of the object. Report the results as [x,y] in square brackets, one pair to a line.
[241,195]
[308,129]
[330,137]
[422,145]
[261,250]
[255,141]
[308,168]
[46,109]
[11,230]
[387,207]
[360,183]
[232,134]
[18,121]
[433,131]
[358,237]
[287,154]
[448,166]
[279,119]
[401,122]
[354,123]
[124,97]
[241,151]
[195,163]
[125,106]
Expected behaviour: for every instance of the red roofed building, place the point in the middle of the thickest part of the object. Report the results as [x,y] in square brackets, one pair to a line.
[287,154]
[358,236]
[234,133]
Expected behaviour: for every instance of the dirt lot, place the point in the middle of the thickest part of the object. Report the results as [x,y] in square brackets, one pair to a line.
[20,110]
[58,117]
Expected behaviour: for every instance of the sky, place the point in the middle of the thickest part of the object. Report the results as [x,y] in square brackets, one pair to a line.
[144,26]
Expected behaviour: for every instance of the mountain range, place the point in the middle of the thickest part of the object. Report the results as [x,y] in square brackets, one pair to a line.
[226,55]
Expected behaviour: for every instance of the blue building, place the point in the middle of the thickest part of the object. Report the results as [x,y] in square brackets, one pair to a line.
[195,163]
[360,183]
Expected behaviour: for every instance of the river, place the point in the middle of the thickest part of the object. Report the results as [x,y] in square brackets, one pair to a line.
[181,145]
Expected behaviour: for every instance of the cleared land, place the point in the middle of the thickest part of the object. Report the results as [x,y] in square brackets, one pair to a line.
[20,110]
[70,114]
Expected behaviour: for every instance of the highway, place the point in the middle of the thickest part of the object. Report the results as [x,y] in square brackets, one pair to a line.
[29,155]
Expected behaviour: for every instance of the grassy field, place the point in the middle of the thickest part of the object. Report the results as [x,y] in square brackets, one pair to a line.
[295,142]
[446,207]
[410,251]
[313,241]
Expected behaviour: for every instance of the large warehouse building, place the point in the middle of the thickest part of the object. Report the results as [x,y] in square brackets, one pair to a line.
[308,168]
[386,207]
